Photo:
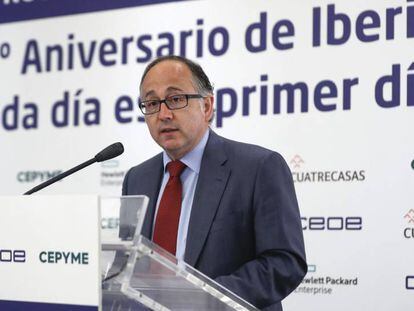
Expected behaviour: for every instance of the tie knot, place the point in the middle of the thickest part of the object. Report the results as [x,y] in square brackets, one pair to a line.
[175,168]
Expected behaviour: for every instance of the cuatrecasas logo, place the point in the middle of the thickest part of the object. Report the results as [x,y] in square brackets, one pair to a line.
[409,231]
[302,175]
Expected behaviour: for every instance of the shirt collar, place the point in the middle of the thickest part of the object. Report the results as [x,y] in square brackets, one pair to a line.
[193,158]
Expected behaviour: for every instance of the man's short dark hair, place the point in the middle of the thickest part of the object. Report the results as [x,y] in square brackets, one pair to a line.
[200,79]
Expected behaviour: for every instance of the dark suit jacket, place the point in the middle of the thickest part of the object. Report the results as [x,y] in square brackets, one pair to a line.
[245,230]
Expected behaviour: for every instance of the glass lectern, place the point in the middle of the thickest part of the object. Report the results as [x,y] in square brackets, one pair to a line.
[139,275]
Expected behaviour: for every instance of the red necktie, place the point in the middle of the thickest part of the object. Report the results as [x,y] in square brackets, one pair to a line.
[168,216]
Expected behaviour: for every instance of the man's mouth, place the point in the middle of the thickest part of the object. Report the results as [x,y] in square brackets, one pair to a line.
[168,130]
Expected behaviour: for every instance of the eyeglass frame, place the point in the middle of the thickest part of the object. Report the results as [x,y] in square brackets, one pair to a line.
[160,101]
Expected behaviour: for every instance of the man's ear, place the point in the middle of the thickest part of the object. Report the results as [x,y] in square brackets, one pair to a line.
[209,107]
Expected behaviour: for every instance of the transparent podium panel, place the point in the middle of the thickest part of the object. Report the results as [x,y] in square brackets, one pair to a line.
[139,275]
[174,285]
[121,224]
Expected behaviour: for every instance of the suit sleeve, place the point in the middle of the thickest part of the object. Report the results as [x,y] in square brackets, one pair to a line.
[280,262]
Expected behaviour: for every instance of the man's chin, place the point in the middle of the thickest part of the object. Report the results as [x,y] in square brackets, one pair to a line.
[169,141]
[170,146]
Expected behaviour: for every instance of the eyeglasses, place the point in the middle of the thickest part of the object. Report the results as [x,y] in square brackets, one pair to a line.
[173,102]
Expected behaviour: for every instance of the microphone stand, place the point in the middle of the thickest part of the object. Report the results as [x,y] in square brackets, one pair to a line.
[109,152]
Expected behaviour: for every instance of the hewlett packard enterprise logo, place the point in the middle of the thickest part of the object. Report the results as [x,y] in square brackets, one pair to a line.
[111,174]
[318,283]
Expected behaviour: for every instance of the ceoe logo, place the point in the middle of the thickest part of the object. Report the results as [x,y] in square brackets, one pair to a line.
[9,255]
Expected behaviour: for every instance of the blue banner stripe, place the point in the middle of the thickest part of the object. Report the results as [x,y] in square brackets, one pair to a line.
[7,305]
[17,10]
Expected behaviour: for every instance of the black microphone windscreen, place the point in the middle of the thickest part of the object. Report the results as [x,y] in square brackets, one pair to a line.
[110,152]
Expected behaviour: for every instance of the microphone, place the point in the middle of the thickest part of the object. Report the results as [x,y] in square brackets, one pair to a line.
[109,152]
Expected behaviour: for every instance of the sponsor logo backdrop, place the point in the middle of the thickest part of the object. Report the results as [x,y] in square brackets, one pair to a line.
[327,84]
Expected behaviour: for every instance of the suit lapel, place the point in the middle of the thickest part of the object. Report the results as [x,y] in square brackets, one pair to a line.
[210,187]
[152,187]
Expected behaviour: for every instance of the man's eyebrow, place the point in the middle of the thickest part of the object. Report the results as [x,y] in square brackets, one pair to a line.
[152,92]
[169,89]
[173,88]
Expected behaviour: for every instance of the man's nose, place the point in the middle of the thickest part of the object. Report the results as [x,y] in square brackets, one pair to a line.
[164,113]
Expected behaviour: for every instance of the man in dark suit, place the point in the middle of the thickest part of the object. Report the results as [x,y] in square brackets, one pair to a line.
[239,220]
